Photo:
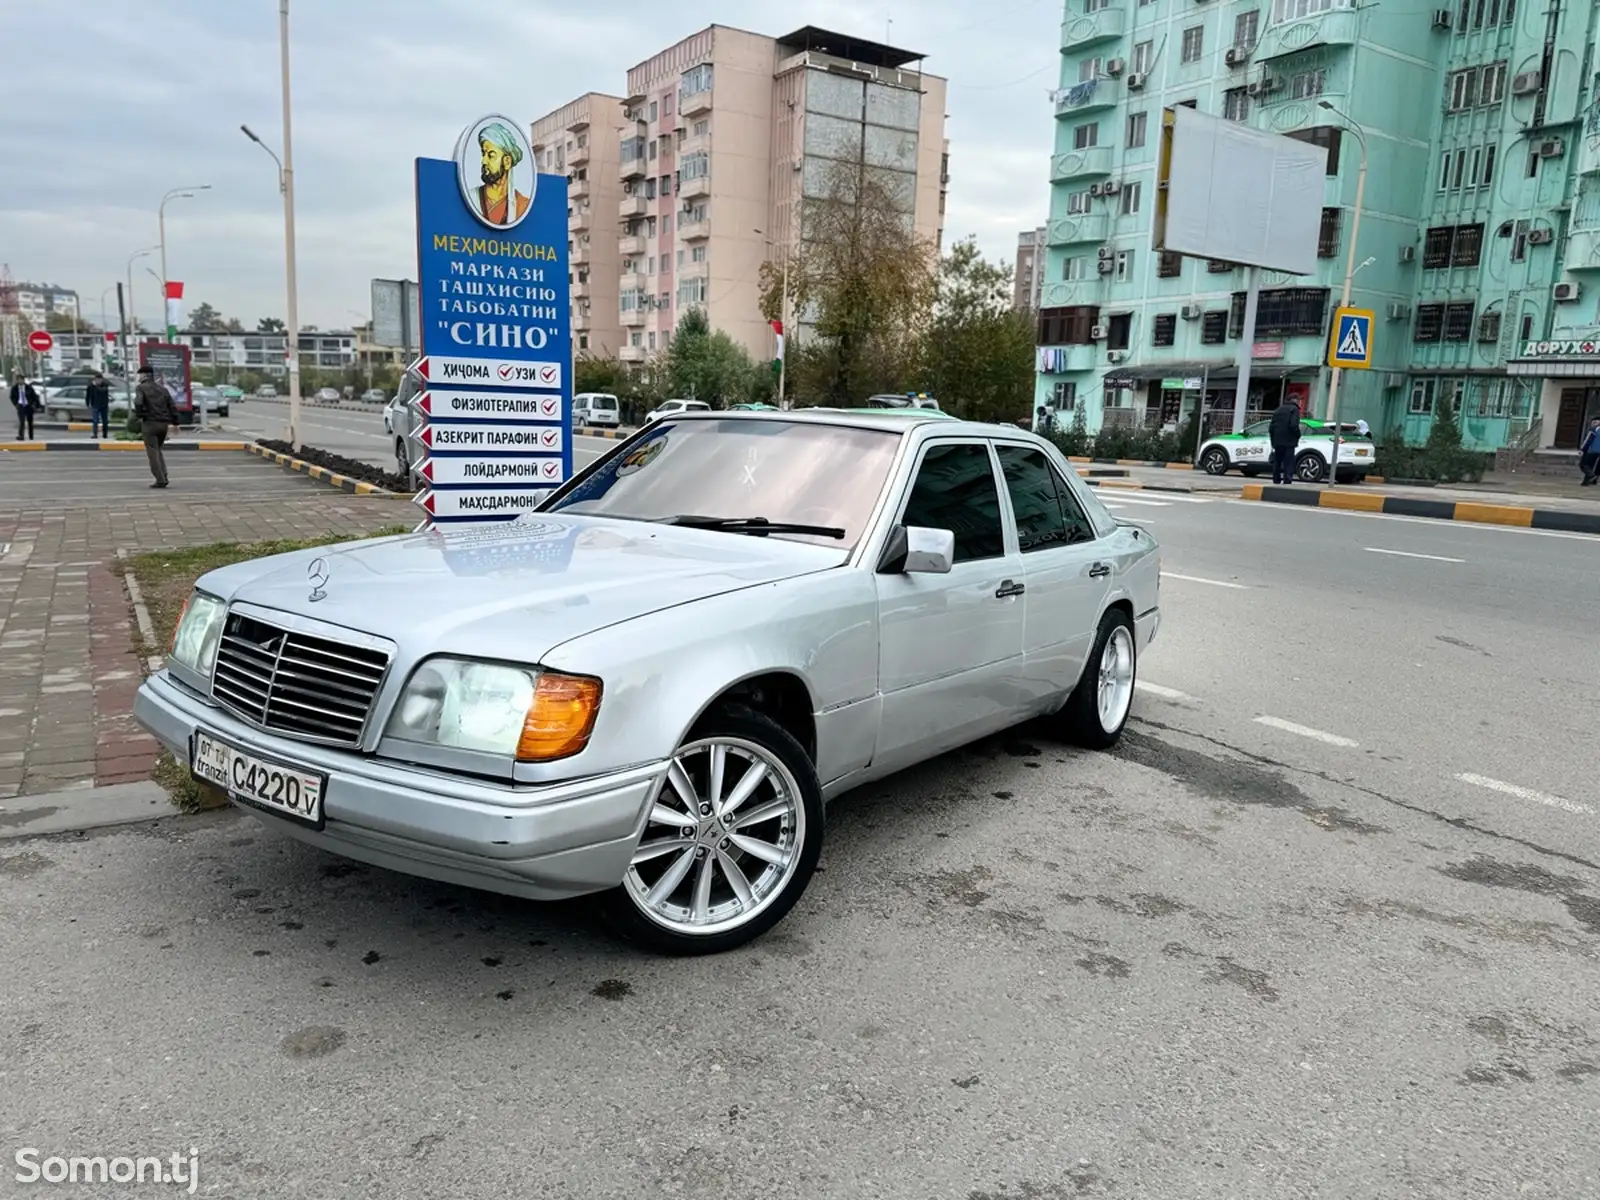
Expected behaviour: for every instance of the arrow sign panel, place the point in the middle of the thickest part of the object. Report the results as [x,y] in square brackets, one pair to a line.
[499,471]
[491,372]
[486,437]
[479,505]
[445,405]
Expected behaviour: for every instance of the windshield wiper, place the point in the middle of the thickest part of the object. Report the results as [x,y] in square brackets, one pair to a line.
[758,526]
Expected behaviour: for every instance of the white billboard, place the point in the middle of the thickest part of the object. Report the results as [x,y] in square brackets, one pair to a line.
[396,313]
[1237,194]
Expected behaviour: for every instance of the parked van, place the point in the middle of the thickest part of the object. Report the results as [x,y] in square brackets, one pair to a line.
[598,409]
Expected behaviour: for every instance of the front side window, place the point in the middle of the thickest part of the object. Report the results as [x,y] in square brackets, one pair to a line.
[955,490]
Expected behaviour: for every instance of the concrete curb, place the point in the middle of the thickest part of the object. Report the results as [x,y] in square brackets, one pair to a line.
[141,615]
[1515,516]
[82,809]
[301,467]
[114,446]
[616,434]
[1133,462]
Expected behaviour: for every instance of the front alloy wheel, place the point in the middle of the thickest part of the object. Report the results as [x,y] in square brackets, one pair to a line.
[1214,461]
[730,843]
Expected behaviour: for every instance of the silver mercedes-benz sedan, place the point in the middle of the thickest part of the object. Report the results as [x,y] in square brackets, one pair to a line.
[650,687]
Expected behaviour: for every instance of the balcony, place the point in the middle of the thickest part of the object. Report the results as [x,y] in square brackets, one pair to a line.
[1088,97]
[1077,358]
[692,104]
[1583,250]
[691,189]
[694,270]
[694,145]
[578,189]
[632,281]
[1086,29]
[1078,229]
[582,322]
[631,208]
[634,164]
[694,229]
[634,318]
[578,221]
[577,155]
[630,244]
[1337,27]
[580,256]
[581,289]
[1080,164]
[631,354]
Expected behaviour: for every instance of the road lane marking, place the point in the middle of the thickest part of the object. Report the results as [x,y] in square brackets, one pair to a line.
[1305,731]
[1222,583]
[1131,500]
[1165,693]
[1522,793]
[1409,554]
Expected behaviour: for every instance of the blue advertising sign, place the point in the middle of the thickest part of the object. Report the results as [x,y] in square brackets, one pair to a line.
[496,326]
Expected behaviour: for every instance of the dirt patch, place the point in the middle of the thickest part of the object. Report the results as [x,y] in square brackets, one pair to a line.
[339,464]
[1526,877]
[1252,981]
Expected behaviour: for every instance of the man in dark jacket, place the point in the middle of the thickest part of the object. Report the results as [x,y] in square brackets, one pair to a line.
[1285,434]
[26,401]
[157,413]
[1589,454]
[98,394]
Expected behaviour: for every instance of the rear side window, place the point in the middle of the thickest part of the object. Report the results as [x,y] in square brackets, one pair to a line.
[1048,515]
[955,490]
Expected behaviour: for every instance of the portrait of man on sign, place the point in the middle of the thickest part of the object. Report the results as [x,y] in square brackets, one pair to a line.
[496,169]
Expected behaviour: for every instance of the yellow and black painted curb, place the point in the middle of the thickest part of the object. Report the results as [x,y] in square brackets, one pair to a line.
[89,444]
[357,487]
[1133,462]
[589,431]
[1512,515]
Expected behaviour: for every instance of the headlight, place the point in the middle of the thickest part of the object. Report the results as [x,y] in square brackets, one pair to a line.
[497,708]
[194,641]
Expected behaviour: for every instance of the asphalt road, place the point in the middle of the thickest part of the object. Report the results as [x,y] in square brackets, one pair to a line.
[1326,924]
[31,479]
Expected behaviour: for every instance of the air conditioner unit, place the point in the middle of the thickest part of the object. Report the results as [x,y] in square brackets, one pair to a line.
[1191,312]
[1263,87]
[1565,293]
[1441,18]
[1106,253]
[1116,356]
[1525,83]
[1394,379]
[1408,254]
[1489,327]
[1097,333]
[1236,56]
[1097,189]
[1399,312]
[1136,81]
[1115,67]
[1552,148]
[1541,237]
[1110,188]
[1106,266]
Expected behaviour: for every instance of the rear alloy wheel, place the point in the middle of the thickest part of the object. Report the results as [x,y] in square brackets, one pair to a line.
[1214,461]
[60,414]
[731,841]
[402,459]
[1309,468]
[1097,711]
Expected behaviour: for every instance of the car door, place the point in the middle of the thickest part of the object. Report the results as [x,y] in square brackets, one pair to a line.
[950,646]
[1067,576]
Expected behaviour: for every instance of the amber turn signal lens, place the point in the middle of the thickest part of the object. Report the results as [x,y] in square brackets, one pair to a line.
[561,717]
[178,624]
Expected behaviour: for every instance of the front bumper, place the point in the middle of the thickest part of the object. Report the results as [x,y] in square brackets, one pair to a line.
[544,843]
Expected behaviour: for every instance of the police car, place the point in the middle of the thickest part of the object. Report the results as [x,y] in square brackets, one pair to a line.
[1251,452]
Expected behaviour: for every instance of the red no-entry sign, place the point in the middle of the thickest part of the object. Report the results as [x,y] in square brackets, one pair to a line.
[40,341]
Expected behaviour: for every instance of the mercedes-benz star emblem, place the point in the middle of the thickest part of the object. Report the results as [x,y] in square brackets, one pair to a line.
[317,574]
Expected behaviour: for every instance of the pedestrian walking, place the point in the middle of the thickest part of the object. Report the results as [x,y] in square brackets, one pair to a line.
[1589,454]
[157,413]
[26,401]
[98,394]
[1284,432]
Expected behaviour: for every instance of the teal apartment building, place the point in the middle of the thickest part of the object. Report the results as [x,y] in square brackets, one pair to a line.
[1479,242]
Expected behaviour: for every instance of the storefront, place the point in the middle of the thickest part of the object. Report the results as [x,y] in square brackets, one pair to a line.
[1568,377]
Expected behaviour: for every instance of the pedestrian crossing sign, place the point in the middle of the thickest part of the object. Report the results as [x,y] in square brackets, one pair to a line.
[1351,345]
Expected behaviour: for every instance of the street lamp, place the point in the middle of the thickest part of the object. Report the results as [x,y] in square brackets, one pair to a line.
[133,319]
[183,193]
[1349,274]
[783,318]
[286,188]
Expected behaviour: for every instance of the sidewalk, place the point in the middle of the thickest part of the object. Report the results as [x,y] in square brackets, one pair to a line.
[68,663]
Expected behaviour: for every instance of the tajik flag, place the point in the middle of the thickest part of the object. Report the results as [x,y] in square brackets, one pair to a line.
[174,304]
[777,329]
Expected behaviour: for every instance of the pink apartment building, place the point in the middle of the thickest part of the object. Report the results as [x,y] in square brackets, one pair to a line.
[721,138]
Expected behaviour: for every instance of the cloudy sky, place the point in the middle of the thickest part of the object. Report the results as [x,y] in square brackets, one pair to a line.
[127,99]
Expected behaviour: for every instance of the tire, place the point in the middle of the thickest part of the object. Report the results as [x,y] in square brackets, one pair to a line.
[60,414]
[1085,720]
[788,792]
[1309,468]
[402,459]
[1215,461]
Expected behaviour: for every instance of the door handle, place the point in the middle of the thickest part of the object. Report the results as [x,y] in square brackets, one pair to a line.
[1009,588]
[1099,570]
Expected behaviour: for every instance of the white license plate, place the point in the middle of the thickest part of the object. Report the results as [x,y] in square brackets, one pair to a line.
[273,786]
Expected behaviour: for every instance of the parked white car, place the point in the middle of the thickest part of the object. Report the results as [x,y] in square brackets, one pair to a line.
[649,687]
[597,410]
[671,407]
[1251,452]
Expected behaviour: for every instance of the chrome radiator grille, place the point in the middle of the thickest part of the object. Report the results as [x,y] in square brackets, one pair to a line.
[295,683]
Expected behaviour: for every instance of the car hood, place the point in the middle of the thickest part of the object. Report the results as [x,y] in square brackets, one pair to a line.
[517,590]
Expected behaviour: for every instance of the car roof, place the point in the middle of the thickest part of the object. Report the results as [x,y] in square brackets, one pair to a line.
[899,420]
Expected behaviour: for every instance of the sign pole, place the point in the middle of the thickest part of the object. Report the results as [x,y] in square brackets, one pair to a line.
[1247,338]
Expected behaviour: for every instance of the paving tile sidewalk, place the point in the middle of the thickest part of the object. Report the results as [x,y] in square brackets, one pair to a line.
[68,661]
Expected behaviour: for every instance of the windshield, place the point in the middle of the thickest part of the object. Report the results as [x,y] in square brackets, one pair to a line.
[783,471]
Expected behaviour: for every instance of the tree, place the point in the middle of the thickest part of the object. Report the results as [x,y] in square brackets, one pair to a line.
[234,325]
[977,351]
[865,282]
[708,365]
[269,325]
[591,373]
[205,319]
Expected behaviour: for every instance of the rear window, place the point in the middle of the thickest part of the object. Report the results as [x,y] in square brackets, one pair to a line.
[608,403]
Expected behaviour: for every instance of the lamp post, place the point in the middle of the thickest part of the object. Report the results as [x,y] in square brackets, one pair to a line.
[783,319]
[291,354]
[183,193]
[133,320]
[1349,274]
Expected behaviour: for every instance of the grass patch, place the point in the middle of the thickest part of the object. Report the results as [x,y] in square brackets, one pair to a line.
[187,793]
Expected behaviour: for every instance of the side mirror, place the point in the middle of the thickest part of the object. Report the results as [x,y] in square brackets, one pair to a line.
[917,550]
